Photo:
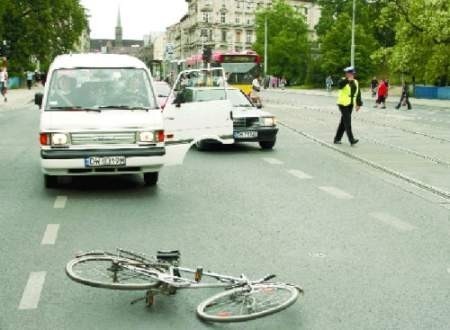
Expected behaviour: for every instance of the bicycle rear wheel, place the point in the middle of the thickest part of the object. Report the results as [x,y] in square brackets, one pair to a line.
[243,304]
[108,272]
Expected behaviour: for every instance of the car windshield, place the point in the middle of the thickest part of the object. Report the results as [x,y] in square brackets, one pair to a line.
[205,95]
[100,88]
[238,99]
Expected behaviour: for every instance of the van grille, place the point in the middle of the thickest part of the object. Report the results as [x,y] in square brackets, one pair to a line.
[103,138]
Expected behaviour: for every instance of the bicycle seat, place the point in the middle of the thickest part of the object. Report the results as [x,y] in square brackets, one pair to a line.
[168,255]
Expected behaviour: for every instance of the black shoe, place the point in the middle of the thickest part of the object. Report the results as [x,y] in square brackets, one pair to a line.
[337,142]
[354,142]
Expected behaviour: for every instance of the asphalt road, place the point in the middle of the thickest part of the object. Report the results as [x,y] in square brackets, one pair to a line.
[370,249]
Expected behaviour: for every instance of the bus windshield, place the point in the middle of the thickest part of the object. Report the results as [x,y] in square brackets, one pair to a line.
[241,73]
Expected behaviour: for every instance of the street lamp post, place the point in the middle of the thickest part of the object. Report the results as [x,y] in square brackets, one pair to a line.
[265,45]
[352,52]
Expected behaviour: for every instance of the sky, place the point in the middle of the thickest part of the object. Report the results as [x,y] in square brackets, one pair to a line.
[139,17]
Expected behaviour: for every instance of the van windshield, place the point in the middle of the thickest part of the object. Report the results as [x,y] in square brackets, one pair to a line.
[100,88]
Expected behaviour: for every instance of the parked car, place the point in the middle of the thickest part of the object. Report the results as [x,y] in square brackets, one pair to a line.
[100,116]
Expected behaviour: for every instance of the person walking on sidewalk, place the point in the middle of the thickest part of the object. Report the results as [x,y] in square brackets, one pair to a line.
[4,83]
[382,94]
[30,77]
[404,98]
[349,97]
[329,83]
[374,86]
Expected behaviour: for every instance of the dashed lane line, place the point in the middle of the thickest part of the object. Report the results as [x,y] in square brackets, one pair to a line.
[32,293]
[392,221]
[50,234]
[336,192]
[273,161]
[60,202]
[300,175]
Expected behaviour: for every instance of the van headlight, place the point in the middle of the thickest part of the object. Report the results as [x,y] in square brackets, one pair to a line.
[60,139]
[268,121]
[146,137]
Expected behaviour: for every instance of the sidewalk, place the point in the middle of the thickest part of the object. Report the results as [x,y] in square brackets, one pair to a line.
[366,95]
[19,98]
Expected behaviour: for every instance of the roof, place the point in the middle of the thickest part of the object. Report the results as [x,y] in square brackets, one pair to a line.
[96,61]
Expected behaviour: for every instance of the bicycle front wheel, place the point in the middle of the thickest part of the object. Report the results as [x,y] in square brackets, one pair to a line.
[109,272]
[243,304]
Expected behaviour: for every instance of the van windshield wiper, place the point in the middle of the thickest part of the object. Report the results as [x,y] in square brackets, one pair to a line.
[123,107]
[74,108]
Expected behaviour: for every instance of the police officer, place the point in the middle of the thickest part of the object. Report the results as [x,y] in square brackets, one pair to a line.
[349,96]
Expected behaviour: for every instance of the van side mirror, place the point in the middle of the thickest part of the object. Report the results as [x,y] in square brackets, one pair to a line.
[38,97]
[259,106]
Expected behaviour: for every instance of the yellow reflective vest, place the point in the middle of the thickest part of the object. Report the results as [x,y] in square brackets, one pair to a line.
[345,95]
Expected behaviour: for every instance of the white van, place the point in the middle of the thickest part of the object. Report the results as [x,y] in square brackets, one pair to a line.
[100,116]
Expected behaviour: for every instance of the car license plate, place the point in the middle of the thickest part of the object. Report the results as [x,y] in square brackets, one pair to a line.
[110,161]
[246,135]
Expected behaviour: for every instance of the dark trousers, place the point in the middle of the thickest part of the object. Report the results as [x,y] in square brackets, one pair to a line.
[346,123]
[404,99]
[29,83]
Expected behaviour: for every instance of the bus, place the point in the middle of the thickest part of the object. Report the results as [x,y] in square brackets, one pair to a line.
[240,67]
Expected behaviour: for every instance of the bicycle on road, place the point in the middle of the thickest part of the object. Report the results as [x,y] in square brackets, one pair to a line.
[242,299]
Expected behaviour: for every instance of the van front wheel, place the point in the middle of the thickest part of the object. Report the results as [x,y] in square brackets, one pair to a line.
[50,181]
[151,179]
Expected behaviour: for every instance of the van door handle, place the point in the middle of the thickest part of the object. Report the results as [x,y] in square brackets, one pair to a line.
[170,118]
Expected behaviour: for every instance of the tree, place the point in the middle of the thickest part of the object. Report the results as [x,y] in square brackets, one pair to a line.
[40,29]
[423,39]
[288,44]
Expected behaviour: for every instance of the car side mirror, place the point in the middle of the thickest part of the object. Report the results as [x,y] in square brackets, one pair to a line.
[38,97]
[259,106]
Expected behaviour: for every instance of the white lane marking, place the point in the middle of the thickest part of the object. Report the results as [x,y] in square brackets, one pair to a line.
[300,175]
[392,221]
[32,292]
[50,234]
[273,161]
[60,202]
[336,192]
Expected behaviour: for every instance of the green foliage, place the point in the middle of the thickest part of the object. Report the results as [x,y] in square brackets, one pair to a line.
[41,29]
[423,39]
[288,44]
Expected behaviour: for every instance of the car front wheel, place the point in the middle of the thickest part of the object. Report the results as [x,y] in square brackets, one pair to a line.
[151,179]
[266,145]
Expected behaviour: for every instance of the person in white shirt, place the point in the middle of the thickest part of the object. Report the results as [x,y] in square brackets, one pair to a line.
[4,83]
[256,89]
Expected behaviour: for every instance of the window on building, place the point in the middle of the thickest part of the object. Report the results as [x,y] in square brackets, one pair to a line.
[238,36]
[206,17]
[211,35]
[238,20]
[224,35]
[249,36]
[203,33]
[238,4]
[223,17]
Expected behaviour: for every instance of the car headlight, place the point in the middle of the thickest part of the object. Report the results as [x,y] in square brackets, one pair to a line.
[146,137]
[268,121]
[60,139]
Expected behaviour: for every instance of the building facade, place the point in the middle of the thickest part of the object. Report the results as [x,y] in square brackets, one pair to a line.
[224,25]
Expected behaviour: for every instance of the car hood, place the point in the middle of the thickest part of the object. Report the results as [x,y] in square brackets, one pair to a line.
[105,120]
[244,112]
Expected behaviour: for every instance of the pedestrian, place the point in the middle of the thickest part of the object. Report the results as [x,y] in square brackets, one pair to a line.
[404,98]
[382,93]
[283,83]
[349,98]
[4,83]
[329,83]
[256,88]
[30,77]
[374,86]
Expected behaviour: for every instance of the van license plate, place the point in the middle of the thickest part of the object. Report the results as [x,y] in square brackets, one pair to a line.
[110,161]
[246,135]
